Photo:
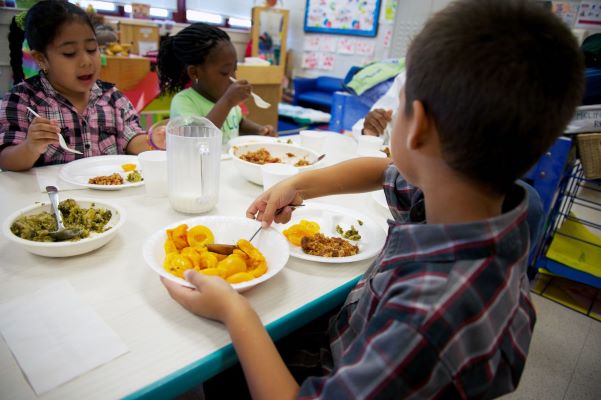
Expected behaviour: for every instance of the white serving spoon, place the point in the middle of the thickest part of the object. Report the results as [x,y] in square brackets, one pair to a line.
[258,100]
[61,139]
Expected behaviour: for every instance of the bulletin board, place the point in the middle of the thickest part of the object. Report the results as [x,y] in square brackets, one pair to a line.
[343,17]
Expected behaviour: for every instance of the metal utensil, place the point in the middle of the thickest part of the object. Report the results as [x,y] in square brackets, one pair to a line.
[318,159]
[258,100]
[227,249]
[61,139]
[61,233]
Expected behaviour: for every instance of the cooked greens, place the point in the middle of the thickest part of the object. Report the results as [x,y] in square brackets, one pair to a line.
[36,227]
[134,176]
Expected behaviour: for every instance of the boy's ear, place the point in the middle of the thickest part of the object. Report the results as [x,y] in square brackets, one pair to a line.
[40,59]
[419,131]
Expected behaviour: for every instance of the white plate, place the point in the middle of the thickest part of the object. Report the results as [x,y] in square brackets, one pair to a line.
[68,248]
[269,241]
[380,198]
[328,216]
[79,171]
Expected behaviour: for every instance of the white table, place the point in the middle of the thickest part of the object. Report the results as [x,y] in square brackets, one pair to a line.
[170,349]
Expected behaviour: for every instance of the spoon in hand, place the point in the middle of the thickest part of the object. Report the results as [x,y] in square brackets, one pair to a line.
[61,232]
[61,139]
[258,100]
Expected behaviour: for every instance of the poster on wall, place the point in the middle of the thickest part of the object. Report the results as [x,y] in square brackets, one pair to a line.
[343,17]
[589,15]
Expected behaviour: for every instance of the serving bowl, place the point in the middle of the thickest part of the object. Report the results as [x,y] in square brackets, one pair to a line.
[288,153]
[226,229]
[67,248]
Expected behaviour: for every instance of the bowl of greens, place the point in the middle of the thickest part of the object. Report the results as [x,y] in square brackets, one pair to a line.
[98,221]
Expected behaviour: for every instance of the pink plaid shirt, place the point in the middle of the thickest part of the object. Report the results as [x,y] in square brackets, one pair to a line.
[106,126]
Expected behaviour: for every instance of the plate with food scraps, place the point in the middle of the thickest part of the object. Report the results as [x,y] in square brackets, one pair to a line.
[335,223]
[103,172]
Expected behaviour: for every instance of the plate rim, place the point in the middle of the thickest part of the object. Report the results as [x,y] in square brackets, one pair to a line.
[335,260]
[62,173]
[374,196]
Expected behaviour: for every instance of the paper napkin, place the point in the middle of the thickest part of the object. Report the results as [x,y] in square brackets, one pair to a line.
[48,177]
[55,337]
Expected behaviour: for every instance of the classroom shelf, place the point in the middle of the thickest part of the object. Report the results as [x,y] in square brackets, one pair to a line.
[571,246]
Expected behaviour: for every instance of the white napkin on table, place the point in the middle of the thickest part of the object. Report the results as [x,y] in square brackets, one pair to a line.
[49,177]
[55,337]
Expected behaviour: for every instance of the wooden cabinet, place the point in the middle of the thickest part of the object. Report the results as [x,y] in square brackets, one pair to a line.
[125,72]
[143,36]
[267,83]
[270,27]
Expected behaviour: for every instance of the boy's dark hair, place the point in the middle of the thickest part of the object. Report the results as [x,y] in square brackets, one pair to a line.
[500,79]
[191,46]
[42,23]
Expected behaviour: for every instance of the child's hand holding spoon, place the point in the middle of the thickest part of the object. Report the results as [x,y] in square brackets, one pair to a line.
[40,133]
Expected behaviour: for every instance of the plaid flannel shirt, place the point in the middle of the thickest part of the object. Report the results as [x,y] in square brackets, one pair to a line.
[105,127]
[444,311]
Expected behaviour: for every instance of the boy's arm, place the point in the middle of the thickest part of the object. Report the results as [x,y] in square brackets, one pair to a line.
[353,176]
[266,374]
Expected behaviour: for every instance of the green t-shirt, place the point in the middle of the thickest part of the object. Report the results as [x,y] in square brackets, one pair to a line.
[190,102]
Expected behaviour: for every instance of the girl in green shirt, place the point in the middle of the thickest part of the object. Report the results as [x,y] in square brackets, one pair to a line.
[204,55]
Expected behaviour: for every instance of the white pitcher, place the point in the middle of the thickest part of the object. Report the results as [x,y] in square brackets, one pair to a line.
[193,159]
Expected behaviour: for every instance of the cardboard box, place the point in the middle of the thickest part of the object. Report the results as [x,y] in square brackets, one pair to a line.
[144,36]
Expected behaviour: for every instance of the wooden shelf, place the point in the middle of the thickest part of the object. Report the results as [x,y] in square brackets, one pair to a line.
[125,72]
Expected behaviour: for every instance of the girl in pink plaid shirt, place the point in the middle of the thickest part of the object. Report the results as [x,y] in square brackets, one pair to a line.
[92,116]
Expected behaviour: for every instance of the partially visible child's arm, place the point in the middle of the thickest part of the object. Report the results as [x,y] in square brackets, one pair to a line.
[22,156]
[353,176]
[235,94]
[266,374]
[248,127]
[138,144]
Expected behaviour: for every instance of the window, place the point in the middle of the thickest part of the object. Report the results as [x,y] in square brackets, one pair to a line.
[230,8]
[106,6]
[201,16]
[154,11]
[240,22]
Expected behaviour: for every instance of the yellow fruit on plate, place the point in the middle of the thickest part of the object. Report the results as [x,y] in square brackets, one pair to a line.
[128,167]
[200,236]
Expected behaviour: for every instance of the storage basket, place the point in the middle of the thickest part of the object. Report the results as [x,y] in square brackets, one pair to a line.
[589,148]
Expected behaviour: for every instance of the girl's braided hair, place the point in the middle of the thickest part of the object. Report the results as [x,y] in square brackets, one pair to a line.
[191,46]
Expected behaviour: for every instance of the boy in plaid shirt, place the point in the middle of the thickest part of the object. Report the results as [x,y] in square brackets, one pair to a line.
[444,311]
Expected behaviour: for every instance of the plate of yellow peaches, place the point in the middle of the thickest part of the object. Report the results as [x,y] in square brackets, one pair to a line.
[187,245]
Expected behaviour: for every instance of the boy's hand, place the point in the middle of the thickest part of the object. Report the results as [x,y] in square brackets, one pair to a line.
[237,92]
[40,134]
[376,121]
[267,130]
[283,195]
[213,297]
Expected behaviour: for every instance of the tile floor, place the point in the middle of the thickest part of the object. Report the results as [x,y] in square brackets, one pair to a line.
[564,361]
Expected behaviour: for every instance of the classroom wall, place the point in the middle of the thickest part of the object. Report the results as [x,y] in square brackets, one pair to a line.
[391,40]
